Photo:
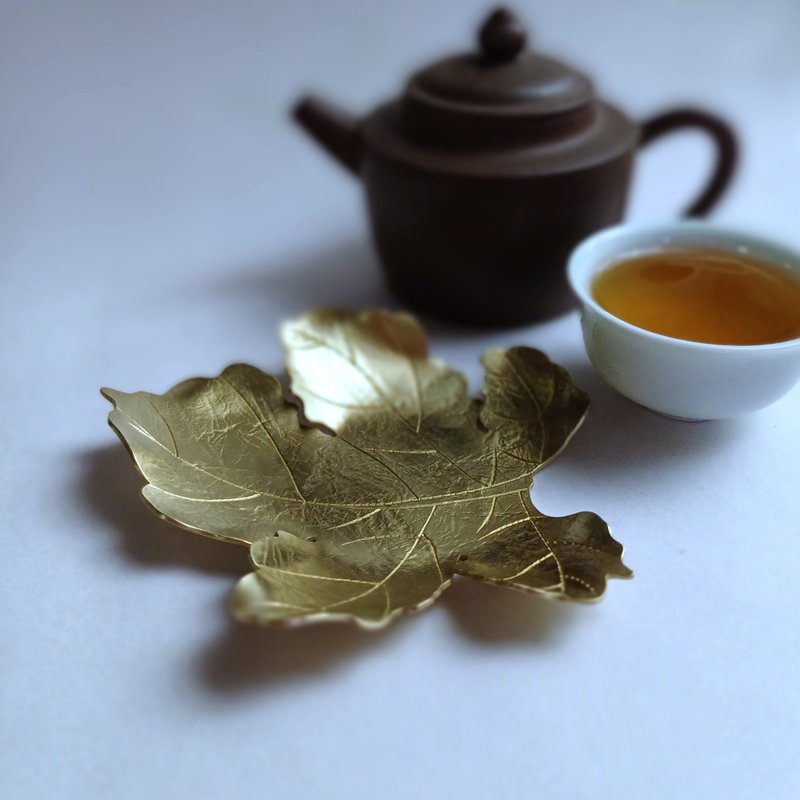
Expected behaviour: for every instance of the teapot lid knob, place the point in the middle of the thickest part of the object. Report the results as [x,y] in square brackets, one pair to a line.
[502,37]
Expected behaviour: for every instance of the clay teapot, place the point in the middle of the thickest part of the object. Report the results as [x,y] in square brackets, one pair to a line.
[490,169]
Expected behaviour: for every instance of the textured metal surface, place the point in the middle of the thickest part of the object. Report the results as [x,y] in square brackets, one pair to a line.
[403,482]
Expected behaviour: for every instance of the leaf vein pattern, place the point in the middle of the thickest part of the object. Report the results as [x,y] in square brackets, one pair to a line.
[583,583]
[355,520]
[530,566]
[397,567]
[263,425]
[562,581]
[341,403]
[380,461]
[535,400]
[311,576]
[389,404]
[208,499]
[166,424]
[434,553]
[467,496]
[504,527]
[412,369]
[488,516]
[191,464]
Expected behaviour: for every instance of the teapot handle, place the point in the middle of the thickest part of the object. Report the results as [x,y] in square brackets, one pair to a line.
[724,140]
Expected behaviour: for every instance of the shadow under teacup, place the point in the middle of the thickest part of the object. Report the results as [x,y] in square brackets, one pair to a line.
[679,377]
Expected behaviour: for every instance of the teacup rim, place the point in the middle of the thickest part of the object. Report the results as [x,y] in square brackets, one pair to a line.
[757,241]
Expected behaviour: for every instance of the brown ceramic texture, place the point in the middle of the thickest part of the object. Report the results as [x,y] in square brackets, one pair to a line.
[489,169]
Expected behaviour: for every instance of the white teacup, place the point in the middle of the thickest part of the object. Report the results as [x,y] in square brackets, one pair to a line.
[679,378]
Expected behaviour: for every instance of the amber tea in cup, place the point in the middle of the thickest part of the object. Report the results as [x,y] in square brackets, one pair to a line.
[688,319]
[703,295]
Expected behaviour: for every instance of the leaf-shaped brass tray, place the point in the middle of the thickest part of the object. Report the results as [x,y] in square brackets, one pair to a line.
[398,483]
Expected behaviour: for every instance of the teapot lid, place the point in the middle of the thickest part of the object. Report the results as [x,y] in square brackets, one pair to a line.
[500,95]
[503,73]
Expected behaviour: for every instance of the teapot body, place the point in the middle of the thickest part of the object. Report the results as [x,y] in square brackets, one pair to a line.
[489,169]
[484,247]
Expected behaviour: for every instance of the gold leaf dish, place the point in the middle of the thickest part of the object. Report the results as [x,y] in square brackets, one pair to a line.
[363,492]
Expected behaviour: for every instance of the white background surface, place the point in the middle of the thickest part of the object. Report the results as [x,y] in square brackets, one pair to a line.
[159,215]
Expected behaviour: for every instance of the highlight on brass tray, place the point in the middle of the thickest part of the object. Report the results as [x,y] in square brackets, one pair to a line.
[400,483]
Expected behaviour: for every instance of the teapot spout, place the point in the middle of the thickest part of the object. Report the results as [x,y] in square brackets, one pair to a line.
[335,130]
